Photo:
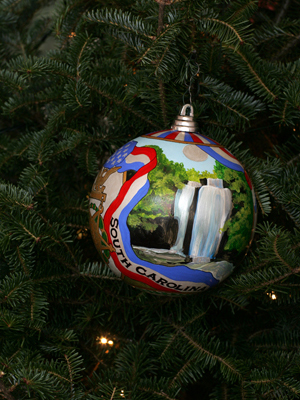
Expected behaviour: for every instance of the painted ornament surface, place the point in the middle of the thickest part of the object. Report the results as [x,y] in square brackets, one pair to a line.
[171,211]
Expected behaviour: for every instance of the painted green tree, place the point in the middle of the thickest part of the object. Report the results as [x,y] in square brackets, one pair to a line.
[194,175]
[165,180]
[239,225]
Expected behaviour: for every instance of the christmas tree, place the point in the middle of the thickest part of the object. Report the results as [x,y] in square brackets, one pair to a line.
[78,80]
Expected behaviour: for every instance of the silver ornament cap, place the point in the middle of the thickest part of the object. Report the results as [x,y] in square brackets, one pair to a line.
[185,123]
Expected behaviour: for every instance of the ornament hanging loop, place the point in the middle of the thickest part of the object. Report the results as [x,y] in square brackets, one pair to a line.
[185,108]
[185,123]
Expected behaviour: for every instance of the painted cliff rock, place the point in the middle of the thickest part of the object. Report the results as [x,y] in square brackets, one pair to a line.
[171,211]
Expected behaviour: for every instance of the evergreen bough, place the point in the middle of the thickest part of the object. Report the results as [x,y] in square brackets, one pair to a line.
[115,70]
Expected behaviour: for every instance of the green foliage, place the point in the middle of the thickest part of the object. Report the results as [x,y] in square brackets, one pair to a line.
[240,223]
[195,176]
[78,79]
[164,180]
[240,107]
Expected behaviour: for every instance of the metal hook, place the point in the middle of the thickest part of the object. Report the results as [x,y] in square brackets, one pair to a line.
[184,122]
[184,109]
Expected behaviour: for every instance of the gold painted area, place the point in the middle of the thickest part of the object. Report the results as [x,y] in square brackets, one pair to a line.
[96,221]
[97,189]
[100,243]
[124,177]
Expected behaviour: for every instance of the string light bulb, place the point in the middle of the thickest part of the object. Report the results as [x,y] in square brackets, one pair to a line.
[104,341]
[272,295]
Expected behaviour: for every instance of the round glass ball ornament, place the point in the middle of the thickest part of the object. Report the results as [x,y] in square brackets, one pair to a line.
[171,211]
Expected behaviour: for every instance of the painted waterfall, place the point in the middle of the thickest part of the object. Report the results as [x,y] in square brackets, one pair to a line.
[190,206]
[214,204]
[213,209]
[182,205]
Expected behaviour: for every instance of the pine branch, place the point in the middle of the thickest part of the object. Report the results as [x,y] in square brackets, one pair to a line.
[230,27]
[113,278]
[252,71]
[282,11]
[160,43]
[285,208]
[12,5]
[159,394]
[181,371]
[70,374]
[13,80]
[31,102]
[227,29]
[230,301]
[227,106]
[63,262]
[79,58]
[170,342]
[163,101]
[215,357]
[160,17]
[290,44]
[225,391]
[95,357]
[160,61]
[114,73]
[245,9]
[279,256]
[123,20]
[113,393]
[5,392]
[195,317]
[293,389]
[292,161]
[59,376]
[124,106]
[243,394]
[272,281]
[22,261]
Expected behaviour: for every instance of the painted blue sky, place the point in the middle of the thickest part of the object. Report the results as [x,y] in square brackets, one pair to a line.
[174,152]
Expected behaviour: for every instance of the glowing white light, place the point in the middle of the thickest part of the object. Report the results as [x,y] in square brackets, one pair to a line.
[103,340]
[272,295]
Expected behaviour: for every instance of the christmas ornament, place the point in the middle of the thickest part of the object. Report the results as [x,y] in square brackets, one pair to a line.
[171,210]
